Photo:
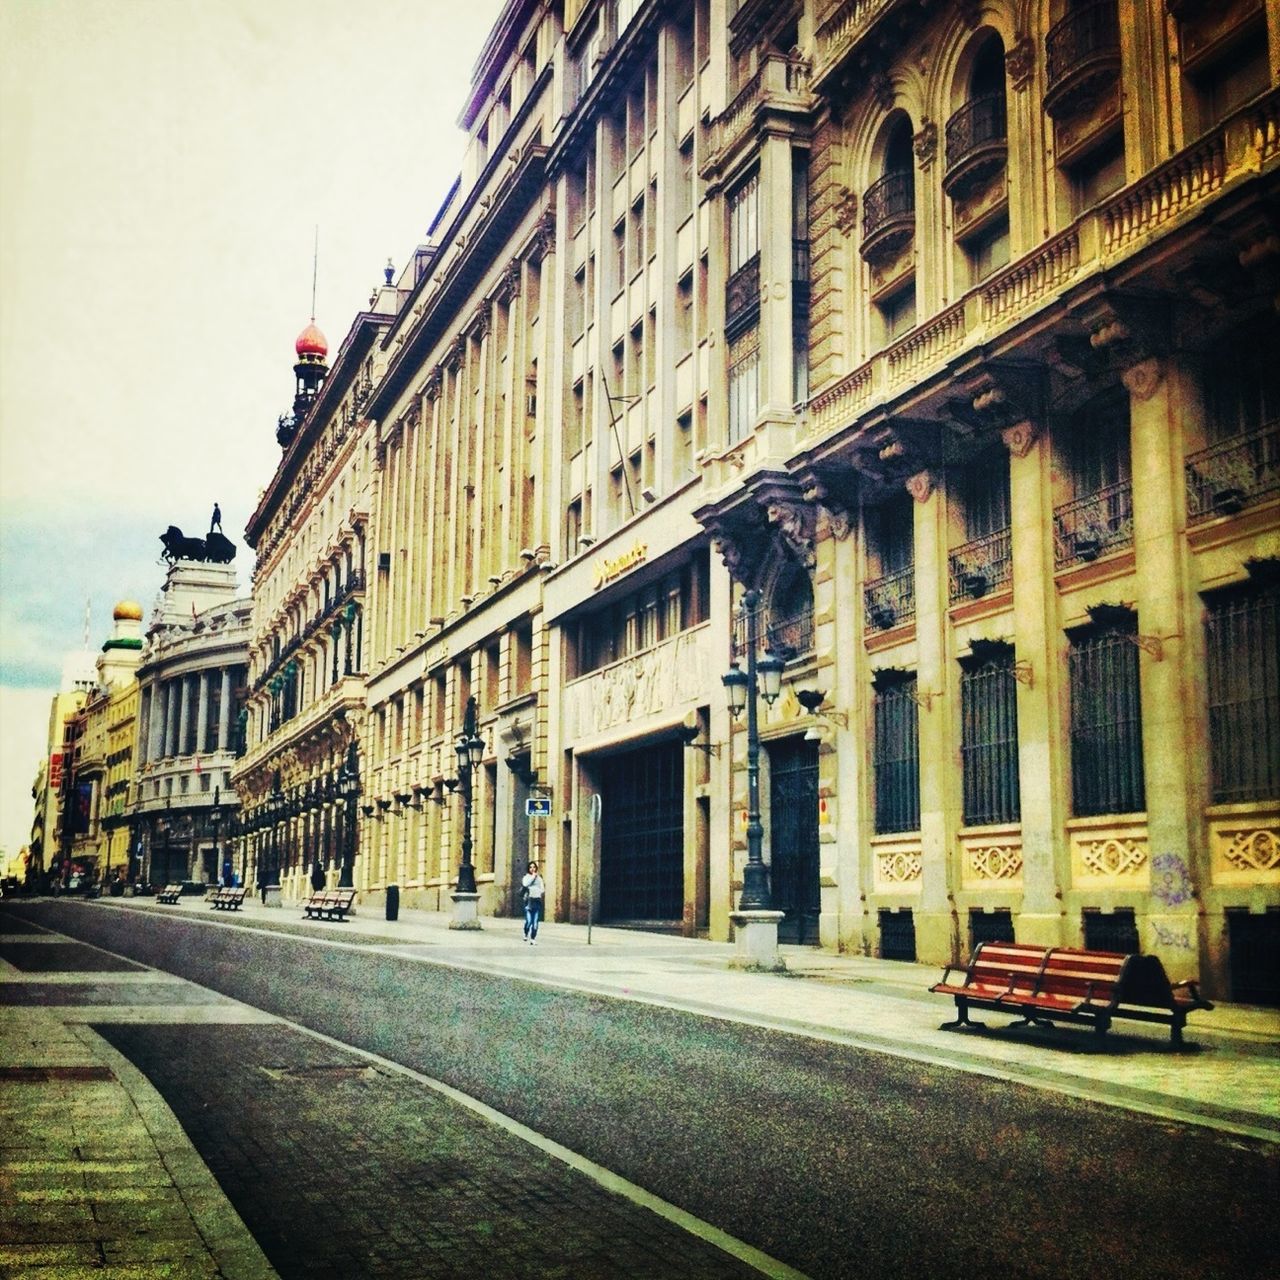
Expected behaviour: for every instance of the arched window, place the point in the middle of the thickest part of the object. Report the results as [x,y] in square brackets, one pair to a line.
[791,612]
[889,225]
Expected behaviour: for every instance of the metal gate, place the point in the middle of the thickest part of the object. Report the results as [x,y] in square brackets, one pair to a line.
[793,838]
[642,836]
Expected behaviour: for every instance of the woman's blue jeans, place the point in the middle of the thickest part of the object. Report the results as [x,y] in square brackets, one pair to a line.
[532,914]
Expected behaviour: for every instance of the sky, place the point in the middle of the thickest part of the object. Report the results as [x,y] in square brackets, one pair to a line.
[164,167]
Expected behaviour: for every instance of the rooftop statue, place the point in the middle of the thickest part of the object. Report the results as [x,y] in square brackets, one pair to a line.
[216,548]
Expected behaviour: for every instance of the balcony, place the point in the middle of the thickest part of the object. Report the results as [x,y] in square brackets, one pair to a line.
[790,636]
[890,601]
[977,145]
[781,85]
[1093,525]
[1082,54]
[1233,474]
[888,215]
[981,565]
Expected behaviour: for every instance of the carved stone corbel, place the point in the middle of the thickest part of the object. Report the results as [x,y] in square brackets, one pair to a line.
[795,522]
[1019,438]
[1020,60]
[1128,332]
[926,143]
[998,396]
[1143,379]
[882,90]
[730,552]
[846,210]
[832,516]
[921,485]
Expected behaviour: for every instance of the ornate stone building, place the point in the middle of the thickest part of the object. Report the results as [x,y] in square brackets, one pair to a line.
[190,687]
[300,772]
[907,317]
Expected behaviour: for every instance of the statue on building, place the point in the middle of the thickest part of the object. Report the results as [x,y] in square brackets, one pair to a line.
[215,520]
[216,548]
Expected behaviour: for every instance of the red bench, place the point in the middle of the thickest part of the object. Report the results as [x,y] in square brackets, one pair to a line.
[1041,985]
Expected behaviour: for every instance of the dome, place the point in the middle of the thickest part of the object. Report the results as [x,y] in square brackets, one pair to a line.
[311,342]
[127,611]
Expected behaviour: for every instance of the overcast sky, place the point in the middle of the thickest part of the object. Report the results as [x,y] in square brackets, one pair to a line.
[163,167]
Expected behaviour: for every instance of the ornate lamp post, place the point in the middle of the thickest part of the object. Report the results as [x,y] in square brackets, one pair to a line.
[756,922]
[349,790]
[469,749]
[215,813]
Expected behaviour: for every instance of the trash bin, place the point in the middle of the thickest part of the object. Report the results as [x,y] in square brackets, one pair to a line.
[393,902]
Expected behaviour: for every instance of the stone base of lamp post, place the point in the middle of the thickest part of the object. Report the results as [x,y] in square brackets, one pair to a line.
[756,937]
[272,898]
[466,911]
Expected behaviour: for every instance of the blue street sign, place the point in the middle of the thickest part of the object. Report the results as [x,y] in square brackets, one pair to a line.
[538,807]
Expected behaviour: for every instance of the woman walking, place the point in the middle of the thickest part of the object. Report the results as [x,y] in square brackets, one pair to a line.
[532,890]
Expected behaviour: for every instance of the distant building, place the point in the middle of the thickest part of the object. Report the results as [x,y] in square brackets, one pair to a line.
[190,690]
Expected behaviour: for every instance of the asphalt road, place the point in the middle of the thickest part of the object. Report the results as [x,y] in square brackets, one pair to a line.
[839,1161]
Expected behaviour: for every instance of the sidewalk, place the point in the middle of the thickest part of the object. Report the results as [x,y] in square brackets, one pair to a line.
[1229,1076]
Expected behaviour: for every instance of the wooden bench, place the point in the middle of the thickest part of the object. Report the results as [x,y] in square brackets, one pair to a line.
[227,899]
[170,893]
[1041,985]
[332,904]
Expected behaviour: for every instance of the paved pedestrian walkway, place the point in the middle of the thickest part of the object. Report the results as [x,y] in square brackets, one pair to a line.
[1228,1076]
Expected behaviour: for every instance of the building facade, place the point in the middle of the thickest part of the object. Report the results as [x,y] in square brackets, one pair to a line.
[903,318]
[300,774]
[191,680]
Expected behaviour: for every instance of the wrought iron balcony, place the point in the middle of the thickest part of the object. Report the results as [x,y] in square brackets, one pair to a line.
[981,565]
[888,214]
[890,601]
[1233,474]
[1082,54]
[977,144]
[1093,525]
[789,637]
[742,298]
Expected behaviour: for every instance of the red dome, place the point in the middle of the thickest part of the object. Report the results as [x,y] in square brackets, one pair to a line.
[311,342]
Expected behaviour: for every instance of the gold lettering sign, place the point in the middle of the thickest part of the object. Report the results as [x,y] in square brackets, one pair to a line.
[611,567]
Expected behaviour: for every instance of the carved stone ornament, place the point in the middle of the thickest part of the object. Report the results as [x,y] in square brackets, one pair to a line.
[730,552]
[921,485]
[510,283]
[995,862]
[882,90]
[1019,61]
[899,867]
[1143,379]
[480,323]
[833,516]
[795,522]
[1019,438]
[1112,857]
[431,388]
[1254,850]
[846,210]
[926,143]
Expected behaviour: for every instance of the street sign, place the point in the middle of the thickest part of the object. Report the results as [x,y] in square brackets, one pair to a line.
[538,807]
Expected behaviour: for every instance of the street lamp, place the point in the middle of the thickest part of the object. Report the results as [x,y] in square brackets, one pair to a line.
[469,749]
[349,790]
[215,813]
[756,921]
[275,807]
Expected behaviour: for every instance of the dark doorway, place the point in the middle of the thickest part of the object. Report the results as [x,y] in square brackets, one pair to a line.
[1255,957]
[793,838]
[642,836]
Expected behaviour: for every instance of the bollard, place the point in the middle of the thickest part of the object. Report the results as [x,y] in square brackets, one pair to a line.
[393,902]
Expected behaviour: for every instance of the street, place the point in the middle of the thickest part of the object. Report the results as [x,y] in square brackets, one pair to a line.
[834,1160]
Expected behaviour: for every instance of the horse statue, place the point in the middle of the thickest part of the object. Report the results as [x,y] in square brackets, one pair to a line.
[219,549]
[179,547]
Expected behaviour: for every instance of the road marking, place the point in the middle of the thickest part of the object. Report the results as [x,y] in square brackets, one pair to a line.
[722,1240]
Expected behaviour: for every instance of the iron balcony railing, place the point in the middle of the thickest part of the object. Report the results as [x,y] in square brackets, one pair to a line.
[1082,45]
[890,601]
[887,203]
[981,565]
[789,637]
[976,136]
[1228,476]
[1093,525]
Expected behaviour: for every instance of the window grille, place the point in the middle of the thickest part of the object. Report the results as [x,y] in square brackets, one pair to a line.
[989,926]
[1106,722]
[989,741]
[897,753]
[1243,644]
[1117,931]
[897,935]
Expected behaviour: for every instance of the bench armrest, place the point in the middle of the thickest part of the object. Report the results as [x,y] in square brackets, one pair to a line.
[1188,992]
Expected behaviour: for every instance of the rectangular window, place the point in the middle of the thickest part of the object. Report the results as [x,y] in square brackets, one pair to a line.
[1111,931]
[1098,175]
[744,225]
[898,311]
[1106,721]
[989,738]
[896,753]
[1242,631]
[988,250]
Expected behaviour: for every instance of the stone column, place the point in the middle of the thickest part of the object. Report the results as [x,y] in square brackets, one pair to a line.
[936,936]
[773,212]
[202,709]
[224,710]
[184,714]
[1042,765]
[171,717]
[1166,609]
